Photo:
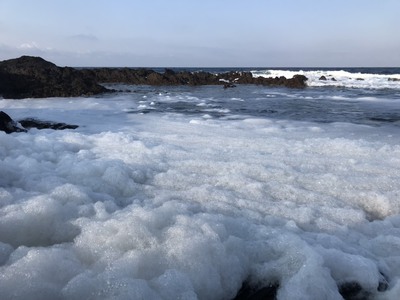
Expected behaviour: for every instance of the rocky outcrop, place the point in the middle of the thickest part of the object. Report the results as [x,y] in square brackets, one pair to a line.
[170,77]
[8,125]
[34,77]
[40,124]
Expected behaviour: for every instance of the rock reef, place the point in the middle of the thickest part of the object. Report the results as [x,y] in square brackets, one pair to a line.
[170,77]
[34,77]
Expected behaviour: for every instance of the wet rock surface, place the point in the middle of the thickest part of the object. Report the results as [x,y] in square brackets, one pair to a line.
[8,125]
[40,124]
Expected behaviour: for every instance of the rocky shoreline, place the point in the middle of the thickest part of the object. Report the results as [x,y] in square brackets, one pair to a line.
[34,77]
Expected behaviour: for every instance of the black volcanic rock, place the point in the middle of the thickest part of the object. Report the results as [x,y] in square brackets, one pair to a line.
[8,125]
[34,77]
[170,77]
[39,124]
[297,81]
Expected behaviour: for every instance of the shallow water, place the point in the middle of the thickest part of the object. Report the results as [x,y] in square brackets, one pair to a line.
[317,104]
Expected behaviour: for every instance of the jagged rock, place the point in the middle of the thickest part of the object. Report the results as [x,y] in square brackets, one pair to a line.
[39,124]
[322,78]
[8,125]
[34,77]
[393,79]
[170,77]
[333,79]
[360,79]
[297,81]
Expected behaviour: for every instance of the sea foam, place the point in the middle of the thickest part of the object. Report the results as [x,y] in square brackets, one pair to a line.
[338,78]
[169,206]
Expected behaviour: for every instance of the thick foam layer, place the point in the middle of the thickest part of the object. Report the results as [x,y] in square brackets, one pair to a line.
[167,206]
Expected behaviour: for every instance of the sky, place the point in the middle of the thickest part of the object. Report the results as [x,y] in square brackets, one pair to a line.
[206,33]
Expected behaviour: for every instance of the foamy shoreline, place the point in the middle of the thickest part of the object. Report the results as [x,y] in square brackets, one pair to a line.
[166,205]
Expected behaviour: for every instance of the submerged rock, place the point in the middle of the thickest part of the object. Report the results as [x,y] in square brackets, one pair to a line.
[229,85]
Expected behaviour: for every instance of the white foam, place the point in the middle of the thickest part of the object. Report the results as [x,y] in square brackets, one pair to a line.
[171,207]
[339,78]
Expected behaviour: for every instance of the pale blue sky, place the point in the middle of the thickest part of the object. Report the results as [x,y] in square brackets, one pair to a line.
[203,32]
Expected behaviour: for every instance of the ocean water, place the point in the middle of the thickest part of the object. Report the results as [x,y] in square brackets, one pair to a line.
[188,192]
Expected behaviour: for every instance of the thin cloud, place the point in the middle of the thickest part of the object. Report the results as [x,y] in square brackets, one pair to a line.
[84,37]
[28,46]
[33,46]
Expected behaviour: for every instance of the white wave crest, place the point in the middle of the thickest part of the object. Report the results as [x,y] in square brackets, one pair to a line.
[339,78]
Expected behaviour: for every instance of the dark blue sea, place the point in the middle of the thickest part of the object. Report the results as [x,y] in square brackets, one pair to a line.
[356,95]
